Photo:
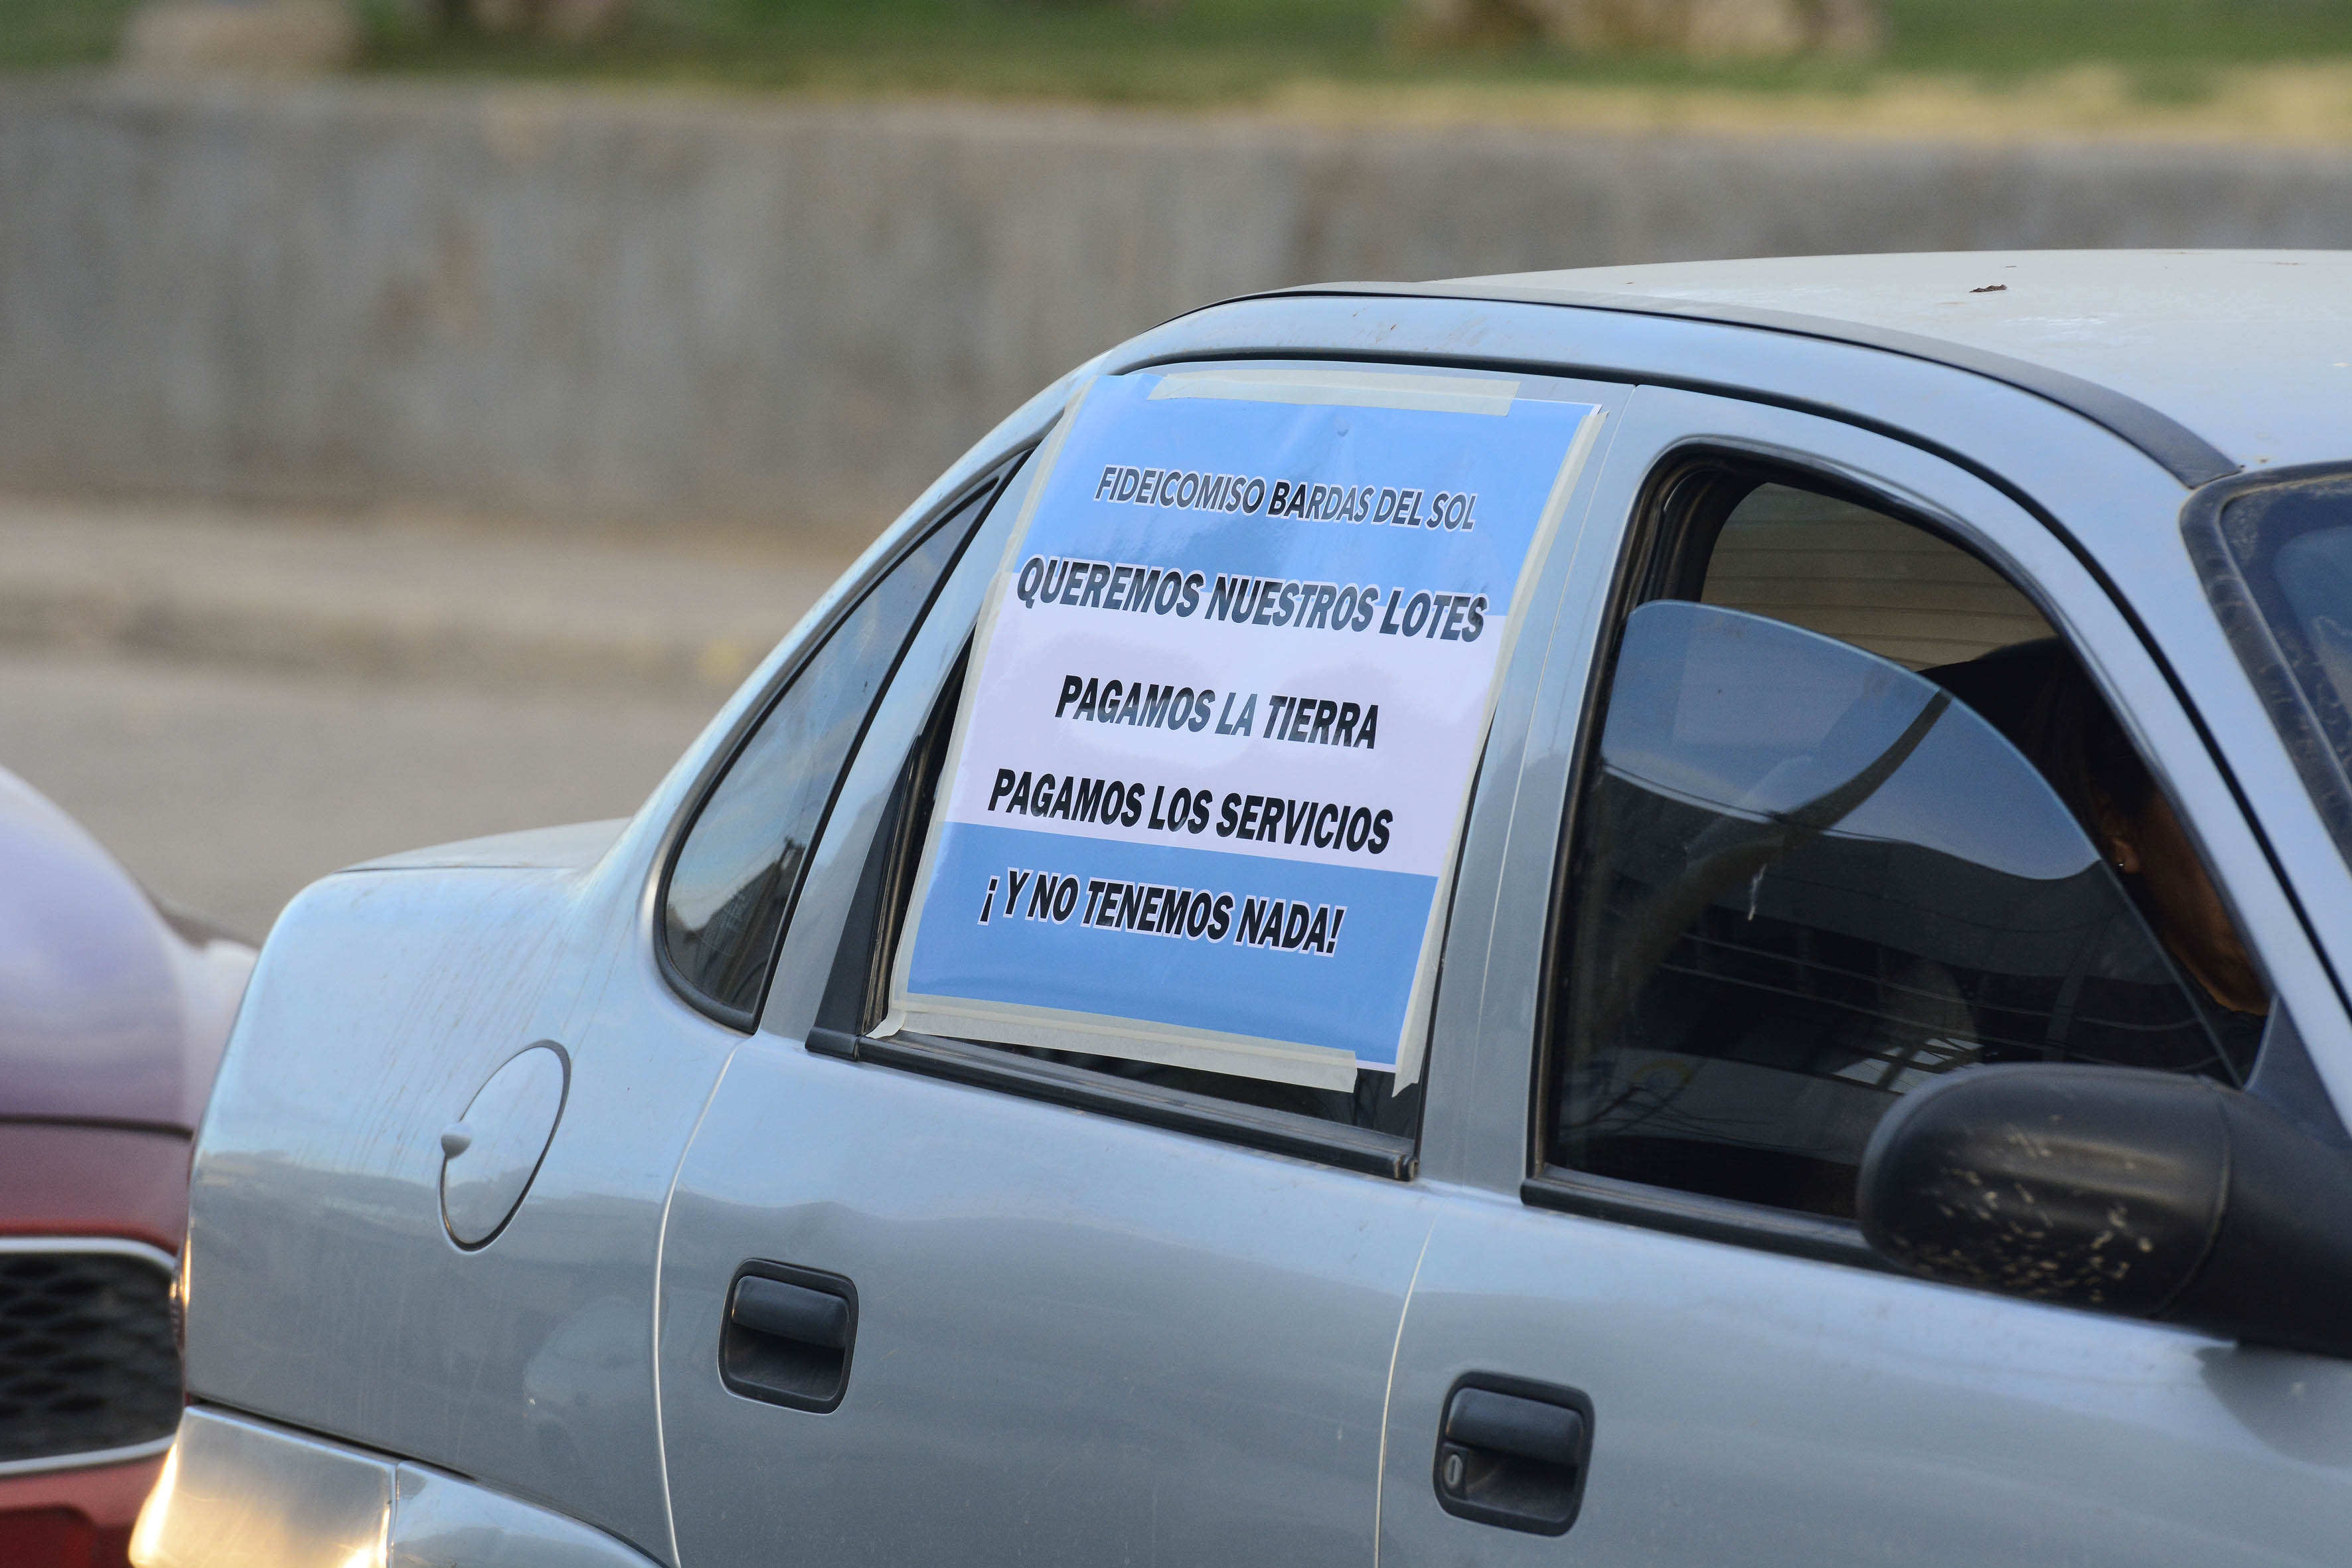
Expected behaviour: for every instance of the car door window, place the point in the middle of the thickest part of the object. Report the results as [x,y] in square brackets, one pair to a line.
[1181,845]
[1859,575]
[738,869]
[1808,878]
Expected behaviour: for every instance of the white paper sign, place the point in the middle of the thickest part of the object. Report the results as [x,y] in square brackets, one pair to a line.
[1232,687]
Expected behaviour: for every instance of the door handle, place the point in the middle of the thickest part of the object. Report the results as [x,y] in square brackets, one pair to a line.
[1514,1453]
[817,1319]
[787,1335]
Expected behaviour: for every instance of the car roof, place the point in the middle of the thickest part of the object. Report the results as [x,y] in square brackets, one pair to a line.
[2248,350]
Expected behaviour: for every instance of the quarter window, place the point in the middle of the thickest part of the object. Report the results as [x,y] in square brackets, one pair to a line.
[731,887]
[1844,830]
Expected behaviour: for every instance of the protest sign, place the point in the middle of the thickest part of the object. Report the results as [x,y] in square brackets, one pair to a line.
[1226,701]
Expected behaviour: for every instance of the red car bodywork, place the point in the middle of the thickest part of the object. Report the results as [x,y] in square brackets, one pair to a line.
[112,1014]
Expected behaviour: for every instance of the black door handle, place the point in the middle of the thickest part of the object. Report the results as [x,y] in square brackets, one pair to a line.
[1514,1453]
[817,1319]
[787,1335]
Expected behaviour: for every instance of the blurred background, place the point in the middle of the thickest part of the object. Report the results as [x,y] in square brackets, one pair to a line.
[417,415]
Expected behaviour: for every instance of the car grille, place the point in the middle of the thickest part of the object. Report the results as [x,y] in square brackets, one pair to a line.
[87,1361]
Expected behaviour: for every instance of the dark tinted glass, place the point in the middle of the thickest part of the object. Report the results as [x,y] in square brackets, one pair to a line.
[1808,881]
[732,884]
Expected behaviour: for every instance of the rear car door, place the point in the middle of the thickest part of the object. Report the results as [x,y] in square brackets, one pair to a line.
[1645,1203]
[927,1298]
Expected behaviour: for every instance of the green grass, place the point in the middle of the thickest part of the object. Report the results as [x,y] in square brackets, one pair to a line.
[1194,50]
[37,35]
[1205,51]
[1191,50]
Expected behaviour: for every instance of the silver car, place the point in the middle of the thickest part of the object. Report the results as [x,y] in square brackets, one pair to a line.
[1678,914]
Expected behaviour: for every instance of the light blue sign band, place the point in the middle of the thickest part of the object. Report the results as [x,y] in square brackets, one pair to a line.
[1243,981]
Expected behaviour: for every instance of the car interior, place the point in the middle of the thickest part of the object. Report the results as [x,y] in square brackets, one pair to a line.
[1839,839]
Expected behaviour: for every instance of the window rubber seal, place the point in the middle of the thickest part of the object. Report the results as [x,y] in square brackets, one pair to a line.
[987,487]
[1702,1217]
[2164,440]
[1360,1149]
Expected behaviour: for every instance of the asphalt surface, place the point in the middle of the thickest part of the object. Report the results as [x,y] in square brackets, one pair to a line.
[226,790]
[351,699]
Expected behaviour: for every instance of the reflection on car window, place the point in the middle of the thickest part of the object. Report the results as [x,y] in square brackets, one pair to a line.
[1865,578]
[1817,881]
[732,884]
[1806,880]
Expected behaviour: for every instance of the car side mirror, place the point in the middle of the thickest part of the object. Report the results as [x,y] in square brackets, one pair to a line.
[2145,1193]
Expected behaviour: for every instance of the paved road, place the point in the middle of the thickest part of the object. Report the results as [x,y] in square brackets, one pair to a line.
[229,789]
[237,703]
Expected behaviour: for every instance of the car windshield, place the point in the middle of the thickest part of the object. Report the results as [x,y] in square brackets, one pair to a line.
[2277,560]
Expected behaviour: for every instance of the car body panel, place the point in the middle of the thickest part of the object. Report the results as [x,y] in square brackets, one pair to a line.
[564,848]
[245,1490]
[83,1515]
[1066,1347]
[443,1522]
[1774,1410]
[316,1256]
[72,1179]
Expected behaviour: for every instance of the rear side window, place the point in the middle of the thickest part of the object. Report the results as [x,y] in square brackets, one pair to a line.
[1815,866]
[731,886]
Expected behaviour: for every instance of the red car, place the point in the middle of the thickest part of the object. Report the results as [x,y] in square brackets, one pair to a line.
[112,1013]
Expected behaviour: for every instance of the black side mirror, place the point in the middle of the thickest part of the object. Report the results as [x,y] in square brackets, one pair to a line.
[2144,1193]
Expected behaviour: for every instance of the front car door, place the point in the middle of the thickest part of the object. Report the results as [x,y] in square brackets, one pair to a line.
[1711,1024]
[1089,1296]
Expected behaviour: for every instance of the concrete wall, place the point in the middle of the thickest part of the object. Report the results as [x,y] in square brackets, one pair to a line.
[636,307]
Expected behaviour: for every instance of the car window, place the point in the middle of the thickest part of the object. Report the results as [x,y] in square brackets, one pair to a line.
[732,885]
[1864,577]
[1188,837]
[2277,557]
[1808,878]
